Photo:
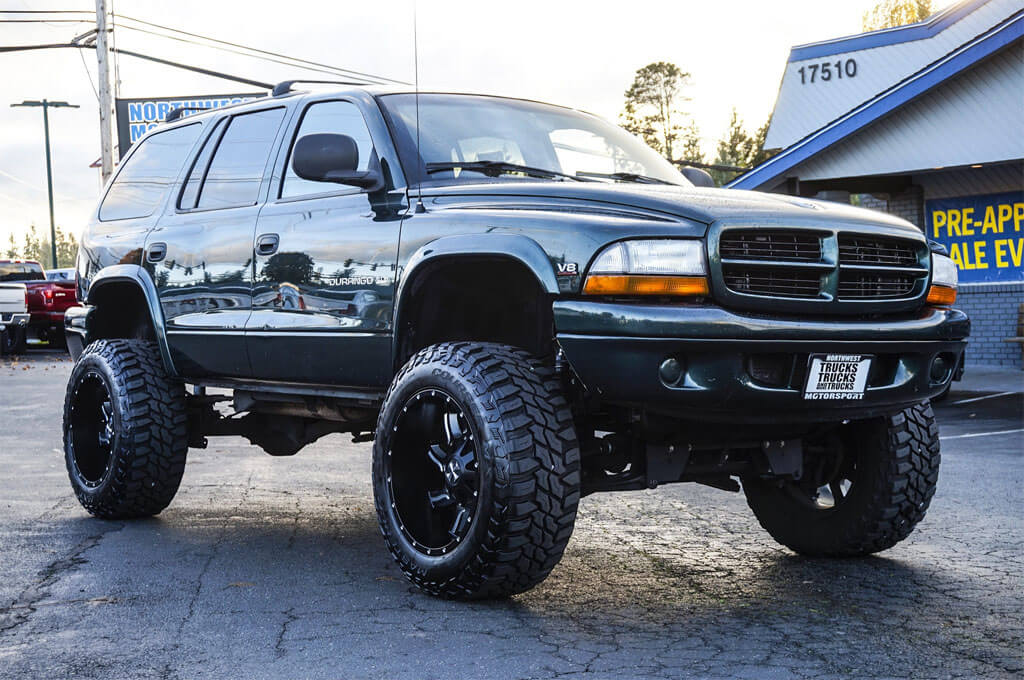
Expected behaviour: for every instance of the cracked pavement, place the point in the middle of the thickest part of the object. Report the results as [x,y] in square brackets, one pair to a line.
[273,567]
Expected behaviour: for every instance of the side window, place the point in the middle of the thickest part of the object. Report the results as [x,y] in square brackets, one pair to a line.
[140,186]
[336,117]
[234,176]
[190,192]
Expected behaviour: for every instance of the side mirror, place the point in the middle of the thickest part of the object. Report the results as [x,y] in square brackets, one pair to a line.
[698,177]
[328,157]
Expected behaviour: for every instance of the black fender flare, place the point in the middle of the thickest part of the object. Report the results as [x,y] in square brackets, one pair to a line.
[77,321]
[517,247]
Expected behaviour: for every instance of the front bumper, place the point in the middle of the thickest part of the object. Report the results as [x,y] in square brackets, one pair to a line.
[14,320]
[751,368]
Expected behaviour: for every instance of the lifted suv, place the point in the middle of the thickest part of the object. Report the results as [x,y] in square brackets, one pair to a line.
[520,304]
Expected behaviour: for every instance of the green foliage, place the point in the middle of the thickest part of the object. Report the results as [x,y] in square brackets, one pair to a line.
[689,144]
[889,13]
[652,109]
[740,149]
[36,247]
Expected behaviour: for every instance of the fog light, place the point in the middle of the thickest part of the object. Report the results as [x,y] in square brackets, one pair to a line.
[940,369]
[671,371]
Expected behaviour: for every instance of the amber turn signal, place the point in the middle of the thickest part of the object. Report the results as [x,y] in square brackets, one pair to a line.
[943,296]
[626,284]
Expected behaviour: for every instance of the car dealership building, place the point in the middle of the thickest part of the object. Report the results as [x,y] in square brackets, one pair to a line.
[924,121]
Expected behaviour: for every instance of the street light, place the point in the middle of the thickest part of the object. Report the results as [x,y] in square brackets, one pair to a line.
[49,171]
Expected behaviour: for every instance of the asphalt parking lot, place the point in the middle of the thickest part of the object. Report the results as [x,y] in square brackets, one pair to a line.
[274,568]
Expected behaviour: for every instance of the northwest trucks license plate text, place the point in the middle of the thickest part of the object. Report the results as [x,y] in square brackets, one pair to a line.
[837,376]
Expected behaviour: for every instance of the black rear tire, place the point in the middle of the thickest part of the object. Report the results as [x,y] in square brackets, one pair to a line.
[476,470]
[13,340]
[125,435]
[879,483]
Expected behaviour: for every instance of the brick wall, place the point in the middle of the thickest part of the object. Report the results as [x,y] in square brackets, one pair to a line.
[993,311]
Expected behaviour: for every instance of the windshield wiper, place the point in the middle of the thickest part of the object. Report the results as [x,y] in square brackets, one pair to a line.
[624,177]
[495,168]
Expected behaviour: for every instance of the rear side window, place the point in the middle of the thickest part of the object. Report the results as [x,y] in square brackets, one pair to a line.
[21,271]
[190,192]
[140,186]
[236,171]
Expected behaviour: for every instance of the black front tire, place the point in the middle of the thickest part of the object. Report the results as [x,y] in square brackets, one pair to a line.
[883,475]
[125,435]
[519,445]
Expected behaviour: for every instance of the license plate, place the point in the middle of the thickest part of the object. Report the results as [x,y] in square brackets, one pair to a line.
[837,376]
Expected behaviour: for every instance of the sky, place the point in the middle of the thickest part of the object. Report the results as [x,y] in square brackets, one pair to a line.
[573,53]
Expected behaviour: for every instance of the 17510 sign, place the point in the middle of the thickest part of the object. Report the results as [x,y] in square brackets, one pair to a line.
[827,70]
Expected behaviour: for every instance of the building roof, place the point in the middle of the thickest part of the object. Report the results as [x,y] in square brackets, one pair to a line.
[822,81]
[949,65]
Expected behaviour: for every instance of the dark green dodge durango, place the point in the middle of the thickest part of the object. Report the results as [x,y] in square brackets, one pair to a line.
[520,304]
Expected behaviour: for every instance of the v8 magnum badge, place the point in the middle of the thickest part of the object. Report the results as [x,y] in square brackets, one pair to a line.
[568,269]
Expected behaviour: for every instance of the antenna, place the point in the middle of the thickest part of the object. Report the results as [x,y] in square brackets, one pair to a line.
[416,86]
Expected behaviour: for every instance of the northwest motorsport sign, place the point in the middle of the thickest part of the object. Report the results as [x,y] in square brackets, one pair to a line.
[837,376]
[135,117]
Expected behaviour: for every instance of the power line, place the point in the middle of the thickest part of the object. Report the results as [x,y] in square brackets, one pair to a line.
[380,79]
[338,72]
[251,52]
[46,21]
[158,60]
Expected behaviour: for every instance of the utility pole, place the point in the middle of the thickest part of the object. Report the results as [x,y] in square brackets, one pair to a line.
[47,105]
[106,106]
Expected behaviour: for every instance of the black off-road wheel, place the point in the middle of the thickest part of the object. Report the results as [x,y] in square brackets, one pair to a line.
[476,470]
[864,487]
[14,340]
[125,436]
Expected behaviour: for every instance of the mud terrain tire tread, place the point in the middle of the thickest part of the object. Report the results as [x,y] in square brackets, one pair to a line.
[152,443]
[901,455]
[537,470]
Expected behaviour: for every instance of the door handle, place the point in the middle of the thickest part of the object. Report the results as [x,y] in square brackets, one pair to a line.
[267,244]
[156,252]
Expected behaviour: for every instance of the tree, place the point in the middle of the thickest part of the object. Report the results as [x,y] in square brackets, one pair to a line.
[889,13]
[689,144]
[733,149]
[757,153]
[739,149]
[652,109]
[37,247]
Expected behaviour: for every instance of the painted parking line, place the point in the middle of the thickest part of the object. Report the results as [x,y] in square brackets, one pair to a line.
[982,434]
[987,396]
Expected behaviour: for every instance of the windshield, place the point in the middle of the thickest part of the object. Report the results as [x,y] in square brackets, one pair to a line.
[476,138]
[21,271]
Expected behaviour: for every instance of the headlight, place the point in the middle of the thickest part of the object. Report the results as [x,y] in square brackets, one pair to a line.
[649,267]
[944,281]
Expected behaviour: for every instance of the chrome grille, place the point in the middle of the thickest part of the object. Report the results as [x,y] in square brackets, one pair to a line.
[753,244]
[857,286]
[792,283]
[876,251]
[820,269]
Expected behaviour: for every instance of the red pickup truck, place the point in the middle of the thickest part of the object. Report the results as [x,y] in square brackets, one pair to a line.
[47,299]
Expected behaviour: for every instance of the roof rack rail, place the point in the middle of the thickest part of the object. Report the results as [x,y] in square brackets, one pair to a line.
[180,111]
[285,86]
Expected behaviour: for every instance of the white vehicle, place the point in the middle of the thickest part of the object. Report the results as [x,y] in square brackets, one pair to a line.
[13,317]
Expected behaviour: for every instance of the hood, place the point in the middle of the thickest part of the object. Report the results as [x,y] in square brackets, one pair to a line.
[691,203]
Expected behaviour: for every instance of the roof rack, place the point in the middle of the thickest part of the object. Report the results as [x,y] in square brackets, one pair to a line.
[285,86]
[180,111]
